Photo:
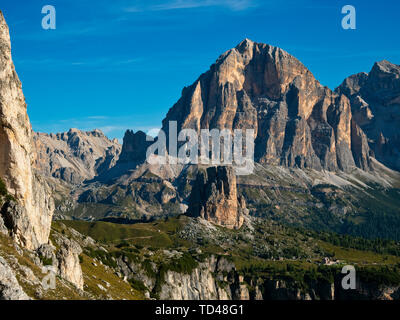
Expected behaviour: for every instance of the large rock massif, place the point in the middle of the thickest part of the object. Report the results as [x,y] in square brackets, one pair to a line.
[29,221]
[297,121]
[215,198]
[375,104]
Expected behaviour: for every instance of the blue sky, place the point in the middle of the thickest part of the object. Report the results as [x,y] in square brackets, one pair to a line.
[118,65]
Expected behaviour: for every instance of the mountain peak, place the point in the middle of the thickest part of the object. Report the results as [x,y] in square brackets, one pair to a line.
[4,35]
[247,40]
[261,87]
[386,67]
[245,43]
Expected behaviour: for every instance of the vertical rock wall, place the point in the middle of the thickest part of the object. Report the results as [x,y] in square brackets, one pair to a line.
[29,221]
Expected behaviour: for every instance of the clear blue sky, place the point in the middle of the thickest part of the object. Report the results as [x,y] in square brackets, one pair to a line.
[122,64]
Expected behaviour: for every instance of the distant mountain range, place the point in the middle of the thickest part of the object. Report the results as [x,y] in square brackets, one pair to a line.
[298,123]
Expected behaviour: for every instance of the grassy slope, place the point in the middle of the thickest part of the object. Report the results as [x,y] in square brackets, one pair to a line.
[94,274]
[156,234]
[163,234]
[145,242]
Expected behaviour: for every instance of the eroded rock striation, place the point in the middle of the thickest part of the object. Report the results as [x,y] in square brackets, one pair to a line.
[30,223]
[375,104]
[215,198]
[297,121]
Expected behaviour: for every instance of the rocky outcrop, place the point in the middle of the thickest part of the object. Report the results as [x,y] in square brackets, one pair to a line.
[214,198]
[134,148]
[30,222]
[133,155]
[64,260]
[9,286]
[68,261]
[131,270]
[198,285]
[75,156]
[297,121]
[375,104]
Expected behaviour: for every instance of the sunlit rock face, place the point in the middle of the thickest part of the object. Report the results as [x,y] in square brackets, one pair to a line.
[297,121]
[30,223]
[215,198]
[375,104]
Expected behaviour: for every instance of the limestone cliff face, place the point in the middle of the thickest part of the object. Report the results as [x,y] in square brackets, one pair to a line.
[214,198]
[75,156]
[30,224]
[210,281]
[216,278]
[68,261]
[201,284]
[375,104]
[297,121]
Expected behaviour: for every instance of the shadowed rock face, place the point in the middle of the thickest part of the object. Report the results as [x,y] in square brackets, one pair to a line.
[375,104]
[30,224]
[214,198]
[75,156]
[133,154]
[297,121]
[134,148]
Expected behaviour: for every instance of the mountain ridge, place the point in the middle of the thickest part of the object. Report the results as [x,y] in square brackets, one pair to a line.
[75,156]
